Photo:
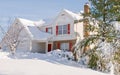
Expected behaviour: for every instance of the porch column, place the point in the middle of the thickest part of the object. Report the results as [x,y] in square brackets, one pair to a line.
[46,49]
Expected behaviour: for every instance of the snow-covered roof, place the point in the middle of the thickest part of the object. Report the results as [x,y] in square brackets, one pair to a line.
[75,16]
[34,32]
[39,23]
[48,21]
[26,22]
[30,23]
[37,34]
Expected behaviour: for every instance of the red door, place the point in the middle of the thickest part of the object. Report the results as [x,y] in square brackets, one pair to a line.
[49,47]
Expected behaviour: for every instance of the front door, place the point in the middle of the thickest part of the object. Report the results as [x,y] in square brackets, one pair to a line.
[49,47]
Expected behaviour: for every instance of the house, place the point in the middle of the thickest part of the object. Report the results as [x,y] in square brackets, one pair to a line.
[62,33]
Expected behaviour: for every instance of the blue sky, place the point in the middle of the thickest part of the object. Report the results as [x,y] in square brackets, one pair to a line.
[35,9]
[38,9]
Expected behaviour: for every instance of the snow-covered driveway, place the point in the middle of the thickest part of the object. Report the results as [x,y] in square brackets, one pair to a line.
[40,64]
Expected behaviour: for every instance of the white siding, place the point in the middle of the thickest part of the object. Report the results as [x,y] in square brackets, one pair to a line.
[63,19]
[25,44]
[78,29]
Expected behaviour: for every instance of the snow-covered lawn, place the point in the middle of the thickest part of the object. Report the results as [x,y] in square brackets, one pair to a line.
[40,64]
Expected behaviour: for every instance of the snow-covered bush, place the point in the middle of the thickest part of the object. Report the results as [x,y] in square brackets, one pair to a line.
[62,54]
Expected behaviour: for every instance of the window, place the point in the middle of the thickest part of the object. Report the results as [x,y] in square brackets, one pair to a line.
[62,29]
[64,46]
[50,30]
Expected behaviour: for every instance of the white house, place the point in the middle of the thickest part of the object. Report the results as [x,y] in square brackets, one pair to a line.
[65,32]
[62,33]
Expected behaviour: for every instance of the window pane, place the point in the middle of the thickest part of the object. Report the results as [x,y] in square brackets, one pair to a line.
[64,29]
[59,32]
[59,29]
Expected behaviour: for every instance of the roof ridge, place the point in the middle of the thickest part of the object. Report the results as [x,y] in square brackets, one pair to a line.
[74,15]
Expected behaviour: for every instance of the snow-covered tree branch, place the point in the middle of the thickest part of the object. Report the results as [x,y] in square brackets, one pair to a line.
[11,38]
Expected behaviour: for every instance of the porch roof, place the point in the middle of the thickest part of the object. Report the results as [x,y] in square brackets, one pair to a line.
[37,34]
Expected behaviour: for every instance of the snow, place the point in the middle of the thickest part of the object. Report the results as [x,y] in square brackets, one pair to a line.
[26,22]
[41,64]
[107,49]
[37,34]
[39,23]
[116,24]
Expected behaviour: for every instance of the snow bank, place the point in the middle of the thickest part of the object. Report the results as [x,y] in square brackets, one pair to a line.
[62,54]
[4,55]
[52,63]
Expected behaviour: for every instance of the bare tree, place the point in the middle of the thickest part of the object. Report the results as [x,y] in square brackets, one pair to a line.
[11,38]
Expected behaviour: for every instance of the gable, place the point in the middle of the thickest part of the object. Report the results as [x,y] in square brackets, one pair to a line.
[63,18]
[66,16]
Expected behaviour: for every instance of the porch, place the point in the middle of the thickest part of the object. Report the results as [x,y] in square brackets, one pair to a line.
[41,47]
[64,44]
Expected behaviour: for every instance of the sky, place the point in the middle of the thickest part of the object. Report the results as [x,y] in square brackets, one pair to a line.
[38,9]
[35,10]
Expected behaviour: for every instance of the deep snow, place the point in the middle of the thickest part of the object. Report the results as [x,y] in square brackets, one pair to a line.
[52,63]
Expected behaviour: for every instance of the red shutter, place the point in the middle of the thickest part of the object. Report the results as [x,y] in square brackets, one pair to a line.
[56,30]
[70,46]
[46,29]
[68,28]
[58,45]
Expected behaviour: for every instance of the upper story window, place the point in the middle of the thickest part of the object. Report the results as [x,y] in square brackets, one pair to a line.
[63,29]
[49,30]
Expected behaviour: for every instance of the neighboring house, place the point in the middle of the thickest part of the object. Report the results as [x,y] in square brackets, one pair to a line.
[62,33]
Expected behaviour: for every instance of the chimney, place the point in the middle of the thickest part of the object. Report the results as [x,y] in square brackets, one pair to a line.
[86,8]
[86,24]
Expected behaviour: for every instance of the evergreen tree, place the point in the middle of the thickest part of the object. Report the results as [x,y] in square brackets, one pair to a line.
[104,13]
